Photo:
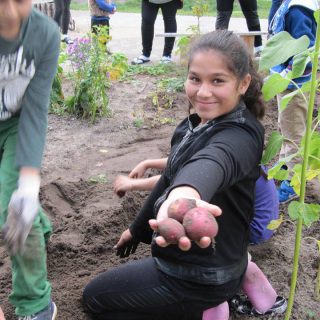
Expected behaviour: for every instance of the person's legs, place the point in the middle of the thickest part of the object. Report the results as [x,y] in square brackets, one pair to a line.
[136,290]
[224,11]
[65,17]
[59,7]
[149,13]
[98,23]
[258,289]
[260,297]
[169,11]
[1,314]
[30,289]
[292,122]
[250,11]
[220,312]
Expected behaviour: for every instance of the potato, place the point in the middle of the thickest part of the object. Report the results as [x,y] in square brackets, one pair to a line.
[178,208]
[198,223]
[171,230]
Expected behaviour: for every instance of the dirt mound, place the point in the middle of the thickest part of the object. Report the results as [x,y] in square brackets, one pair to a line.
[80,163]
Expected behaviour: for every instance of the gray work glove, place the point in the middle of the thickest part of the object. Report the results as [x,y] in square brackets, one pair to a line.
[22,210]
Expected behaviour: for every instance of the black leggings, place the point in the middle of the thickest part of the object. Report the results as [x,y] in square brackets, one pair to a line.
[62,14]
[250,12]
[139,291]
[149,13]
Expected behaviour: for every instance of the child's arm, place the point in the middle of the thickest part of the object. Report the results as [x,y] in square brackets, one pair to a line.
[106,6]
[122,184]
[142,167]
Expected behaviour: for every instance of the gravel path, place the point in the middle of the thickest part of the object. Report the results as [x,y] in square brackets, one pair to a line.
[126,35]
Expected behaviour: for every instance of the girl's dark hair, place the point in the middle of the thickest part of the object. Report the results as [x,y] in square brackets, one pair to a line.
[239,62]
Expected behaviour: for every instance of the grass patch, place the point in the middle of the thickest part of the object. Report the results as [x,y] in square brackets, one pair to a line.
[134,6]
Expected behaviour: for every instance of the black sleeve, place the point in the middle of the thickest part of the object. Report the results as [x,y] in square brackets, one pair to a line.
[140,228]
[229,157]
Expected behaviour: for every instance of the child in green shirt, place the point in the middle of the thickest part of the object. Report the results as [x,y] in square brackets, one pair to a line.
[29,50]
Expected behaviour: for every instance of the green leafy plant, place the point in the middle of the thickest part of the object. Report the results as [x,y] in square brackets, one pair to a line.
[100,178]
[56,104]
[153,70]
[277,50]
[93,69]
[199,9]
[174,84]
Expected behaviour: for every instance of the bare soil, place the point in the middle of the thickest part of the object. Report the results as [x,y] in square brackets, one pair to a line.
[80,164]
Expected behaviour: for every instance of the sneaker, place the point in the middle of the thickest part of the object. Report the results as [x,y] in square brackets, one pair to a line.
[242,305]
[49,313]
[258,51]
[66,39]
[140,60]
[286,192]
[166,59]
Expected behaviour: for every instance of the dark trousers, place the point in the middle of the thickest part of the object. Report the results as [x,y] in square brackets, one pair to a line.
[99,23]
[139,291]
[149,13]
[250,12]
[62,14]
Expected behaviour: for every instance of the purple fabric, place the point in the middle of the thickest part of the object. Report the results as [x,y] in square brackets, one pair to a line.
[266,208]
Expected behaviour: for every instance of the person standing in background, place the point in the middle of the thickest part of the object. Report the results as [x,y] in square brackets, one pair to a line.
[62,17]
[296,18]
[149,11]
[100,11]
[250,11]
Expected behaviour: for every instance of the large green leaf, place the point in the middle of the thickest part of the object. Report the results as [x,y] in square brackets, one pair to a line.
[308,212]
[274,85]
[273,147]
[306,87]
[280,48]
[276,172]
[299,64]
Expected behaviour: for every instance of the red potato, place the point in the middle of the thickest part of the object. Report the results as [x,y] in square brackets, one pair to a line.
[171,230]
[178,208]
[198,223]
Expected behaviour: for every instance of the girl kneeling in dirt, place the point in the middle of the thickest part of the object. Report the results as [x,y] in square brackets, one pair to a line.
[214,158]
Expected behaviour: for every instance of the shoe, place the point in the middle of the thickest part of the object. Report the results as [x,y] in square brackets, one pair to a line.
[166,59]
[49,313]
[140,60]
[258,51]
[286,192]
[66,39]
[242,305]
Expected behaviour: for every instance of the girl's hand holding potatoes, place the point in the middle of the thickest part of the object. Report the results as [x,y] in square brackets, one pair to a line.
[184,220]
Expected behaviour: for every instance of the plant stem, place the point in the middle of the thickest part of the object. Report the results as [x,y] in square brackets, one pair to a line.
[303,173]
[317,287]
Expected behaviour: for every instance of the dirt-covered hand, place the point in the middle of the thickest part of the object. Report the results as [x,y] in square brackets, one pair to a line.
[126,245]
[121,185]
[22,210]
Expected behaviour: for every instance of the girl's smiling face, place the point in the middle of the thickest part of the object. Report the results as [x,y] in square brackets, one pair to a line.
[211,87]
[12,13]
